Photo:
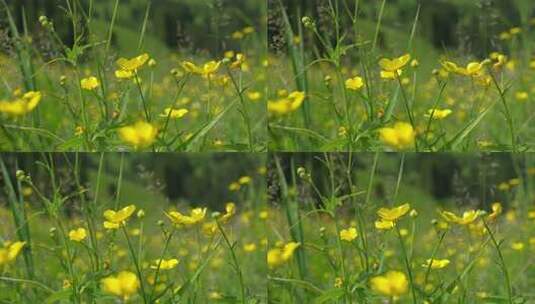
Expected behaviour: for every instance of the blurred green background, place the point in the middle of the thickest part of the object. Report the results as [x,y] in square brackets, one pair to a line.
[149,180]
[467,25]
[172,24]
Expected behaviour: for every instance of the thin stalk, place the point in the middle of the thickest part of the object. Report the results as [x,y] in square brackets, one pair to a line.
[503,266]
[407,265]
[136,264]
[235,262]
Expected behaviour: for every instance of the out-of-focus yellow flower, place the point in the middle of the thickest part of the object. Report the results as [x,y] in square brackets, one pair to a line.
[438,114]
[522,96]
[517,246]
[230,210]
[174,113]
[393,214]
[496,210]
[124,285]
[391,75]
[207,69]
[10,252]
[395,64]
[384,225]
[165,264]
[354,84]
[90,83]
[133,64]
[179,219]
[279,256]
[467,218]
[288,104]
[348,234]
[401,136]
[472,69]
[114,219]
[244,180]
[249,247]
[392,284]
[254,95]
[436,263]
[77,235]
[22,105]
[140,135]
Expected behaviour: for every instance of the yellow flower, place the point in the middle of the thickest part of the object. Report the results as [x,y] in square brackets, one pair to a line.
[391,75]
[244,180]
[179,219]
[77,235]
[250,247]
[165,264]
[384,225]
[471,69]
[467,218]
[517,246]
[279,256]
[124,74]
[395,64]
[496,210]
[438,114]
[400,137]
[392,284]
[124,285]
[288,104]
[132,65]
[21,106]
[114,219]
[522,96]
[393,214]
[10,252]
[230,209]
[90,83]
[174,113]
[348,234]
[254,95]
[354,84]
[207,69]
[436,263]
[140,135]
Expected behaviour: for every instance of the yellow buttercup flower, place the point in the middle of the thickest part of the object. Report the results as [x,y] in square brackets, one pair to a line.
[395,64]
[174,113]
[288,104]
[230,210]
[384,225]
[436,263]
[279,256]
[133,64]
[438,114]
[124,285]
[10,252]
[496,210]
[124,74]
[472,69]
[140,135]
[207,69]
[21,106]
[114,219]
[250,247]
[90,83]
[348,234]
[391,75]
[467,218]
[165,264]
[400,136]
[179,219]
[393,214]
[77,235]
[354,84]
[392,284]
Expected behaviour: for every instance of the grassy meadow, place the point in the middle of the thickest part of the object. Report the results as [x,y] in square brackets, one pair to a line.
[401,228]
[108,228]
[383,75]
[95,75]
